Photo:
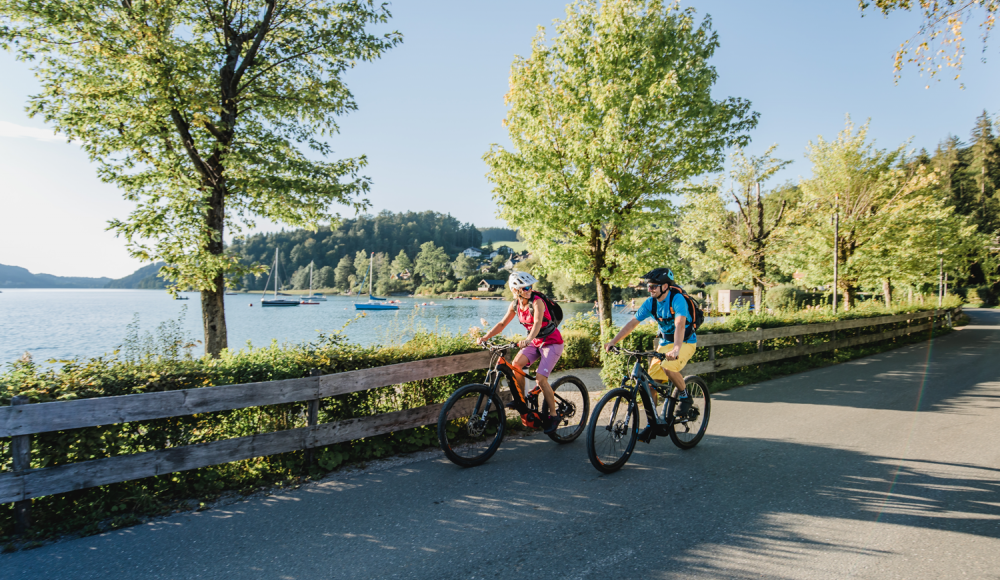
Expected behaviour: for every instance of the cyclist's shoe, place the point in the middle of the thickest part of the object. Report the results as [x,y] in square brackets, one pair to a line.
[686,402]
[551,424]
[647,434]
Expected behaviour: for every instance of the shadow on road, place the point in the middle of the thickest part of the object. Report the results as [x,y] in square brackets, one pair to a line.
[917,377]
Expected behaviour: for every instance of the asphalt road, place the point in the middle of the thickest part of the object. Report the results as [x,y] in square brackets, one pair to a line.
[884,467]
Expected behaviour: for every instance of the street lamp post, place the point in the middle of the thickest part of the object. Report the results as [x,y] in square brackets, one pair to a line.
[836,243]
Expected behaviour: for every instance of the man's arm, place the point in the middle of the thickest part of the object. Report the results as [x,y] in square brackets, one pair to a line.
[629,327]
[680,323]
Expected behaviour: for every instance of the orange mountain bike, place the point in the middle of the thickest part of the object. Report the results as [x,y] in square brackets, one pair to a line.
[473,420]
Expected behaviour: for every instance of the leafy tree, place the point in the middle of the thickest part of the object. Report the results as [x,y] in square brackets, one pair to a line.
[606,120]
[402,263]
[738,240]
[361,266]
[198,110]
[463,266]
[345,267]
[300,279]
[432,263]
[874,196]
[326,277]
[939,43]
[984,166]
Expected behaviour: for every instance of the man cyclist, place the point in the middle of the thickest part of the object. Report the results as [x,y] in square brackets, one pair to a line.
[678,351]
[544,342]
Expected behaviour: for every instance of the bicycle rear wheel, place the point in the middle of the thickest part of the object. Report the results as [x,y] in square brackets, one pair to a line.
[471,425]
[612,432]
[688,430]
[573,405]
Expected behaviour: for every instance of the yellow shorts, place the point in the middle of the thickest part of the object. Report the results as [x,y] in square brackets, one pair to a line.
[656,368]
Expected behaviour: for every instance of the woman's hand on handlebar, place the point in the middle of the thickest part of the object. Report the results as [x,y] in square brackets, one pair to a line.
[610,347]
[481,340]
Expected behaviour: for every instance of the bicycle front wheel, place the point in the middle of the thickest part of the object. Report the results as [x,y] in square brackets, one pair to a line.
[471,425]
[687,430]
[612,431]
[573,405]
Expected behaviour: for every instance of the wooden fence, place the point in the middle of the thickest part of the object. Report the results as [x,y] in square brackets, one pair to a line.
[930,318]
[21,420]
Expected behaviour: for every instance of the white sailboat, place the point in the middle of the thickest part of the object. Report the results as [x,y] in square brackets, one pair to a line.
[374,302]
[277,282]
[310,300]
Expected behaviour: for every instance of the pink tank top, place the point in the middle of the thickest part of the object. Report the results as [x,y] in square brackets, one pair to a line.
[526,316]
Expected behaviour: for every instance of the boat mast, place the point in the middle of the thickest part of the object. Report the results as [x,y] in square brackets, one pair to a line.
[371,264]
[276,275]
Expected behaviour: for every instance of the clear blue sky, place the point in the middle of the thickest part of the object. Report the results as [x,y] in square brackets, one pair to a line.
[431,107]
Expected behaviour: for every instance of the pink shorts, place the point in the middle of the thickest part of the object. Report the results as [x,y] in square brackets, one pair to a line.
[549,354]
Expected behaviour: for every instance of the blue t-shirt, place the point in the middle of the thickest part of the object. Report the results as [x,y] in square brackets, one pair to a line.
[663,311]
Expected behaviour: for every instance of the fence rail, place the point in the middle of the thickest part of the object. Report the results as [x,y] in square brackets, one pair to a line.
[20,421]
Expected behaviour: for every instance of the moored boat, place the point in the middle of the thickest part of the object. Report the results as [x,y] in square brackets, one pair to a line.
[374,302]
[277,282]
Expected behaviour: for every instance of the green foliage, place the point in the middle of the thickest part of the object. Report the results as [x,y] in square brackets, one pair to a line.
[737,240]
[785,297]
[983,295]
[432,263]
[593,119]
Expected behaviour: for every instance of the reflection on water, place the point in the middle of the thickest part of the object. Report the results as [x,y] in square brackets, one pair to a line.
[65,324]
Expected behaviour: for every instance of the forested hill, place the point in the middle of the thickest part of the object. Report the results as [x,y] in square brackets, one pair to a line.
[386,233]
[145,278]
[17,277]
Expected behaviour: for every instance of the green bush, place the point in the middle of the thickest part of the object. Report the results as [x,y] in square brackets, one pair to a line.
[784,297]
[983,295]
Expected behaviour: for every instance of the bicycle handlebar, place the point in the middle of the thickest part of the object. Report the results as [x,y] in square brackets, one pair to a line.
[642,353]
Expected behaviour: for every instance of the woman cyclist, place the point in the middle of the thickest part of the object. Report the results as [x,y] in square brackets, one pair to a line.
[544,342]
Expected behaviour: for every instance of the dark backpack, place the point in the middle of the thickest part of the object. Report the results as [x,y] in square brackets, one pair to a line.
[555,311]
[697,314]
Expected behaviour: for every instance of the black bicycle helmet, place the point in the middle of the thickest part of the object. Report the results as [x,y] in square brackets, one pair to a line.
[659,276]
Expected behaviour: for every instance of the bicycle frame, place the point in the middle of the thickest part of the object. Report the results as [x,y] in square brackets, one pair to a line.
[639,381]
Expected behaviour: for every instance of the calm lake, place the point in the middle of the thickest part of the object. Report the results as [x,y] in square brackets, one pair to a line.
[63,324]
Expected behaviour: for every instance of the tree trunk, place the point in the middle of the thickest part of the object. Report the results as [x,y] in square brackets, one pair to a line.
[213,308]
[758,298]
[887,292]
[603,303]
[848,291]
[213,314]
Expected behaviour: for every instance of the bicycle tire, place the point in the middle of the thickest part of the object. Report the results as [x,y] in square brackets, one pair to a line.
[612,432]
[467,438]
[686,432]
[574,395]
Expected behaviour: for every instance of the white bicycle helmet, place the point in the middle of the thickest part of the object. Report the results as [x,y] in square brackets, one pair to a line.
[520,280]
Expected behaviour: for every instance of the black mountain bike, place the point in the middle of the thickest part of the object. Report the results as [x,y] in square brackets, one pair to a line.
[473,420]
[614,426]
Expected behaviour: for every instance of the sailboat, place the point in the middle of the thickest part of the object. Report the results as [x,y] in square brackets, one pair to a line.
[374,302]
[277,282]
[310,299]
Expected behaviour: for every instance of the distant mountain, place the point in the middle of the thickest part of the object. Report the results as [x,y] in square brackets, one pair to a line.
[17,277]
[143,278]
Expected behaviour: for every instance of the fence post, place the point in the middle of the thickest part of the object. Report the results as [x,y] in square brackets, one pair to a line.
[312,416]
[760,341]
[711,357]
[20,448]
